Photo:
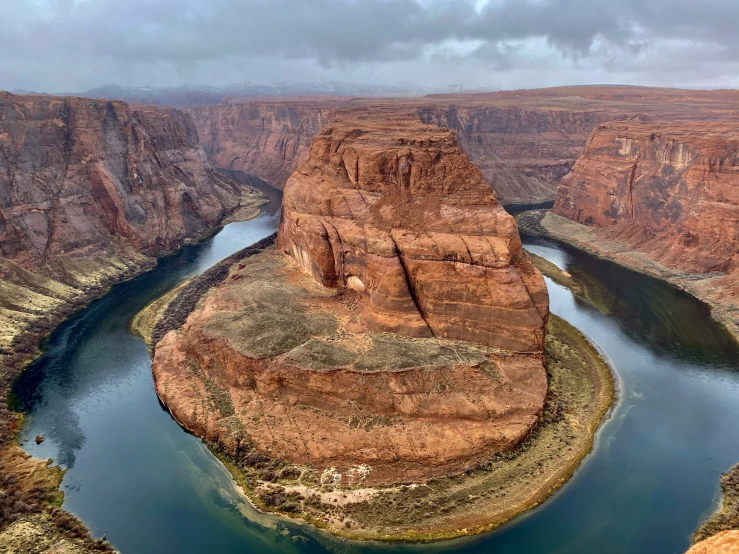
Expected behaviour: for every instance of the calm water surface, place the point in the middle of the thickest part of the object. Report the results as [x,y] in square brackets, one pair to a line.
[134,475]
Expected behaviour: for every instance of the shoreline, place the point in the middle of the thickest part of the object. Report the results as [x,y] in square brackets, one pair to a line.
[545,224]
[474,502]
[28,346]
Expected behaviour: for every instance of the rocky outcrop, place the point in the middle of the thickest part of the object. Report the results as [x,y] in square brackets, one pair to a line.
[523,141]
[397,332]
[266,139]
[270,363]
[668,193]
[522,153]
[670,189]
[81,175]
[90,193]
[391,208]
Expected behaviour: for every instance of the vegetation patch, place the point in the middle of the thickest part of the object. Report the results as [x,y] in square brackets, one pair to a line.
[728,517]
[184,303]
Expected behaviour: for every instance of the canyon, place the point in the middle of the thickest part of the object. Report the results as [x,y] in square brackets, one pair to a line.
[387,211]
[91,193]
[663,198]
[524,141]
[395,334]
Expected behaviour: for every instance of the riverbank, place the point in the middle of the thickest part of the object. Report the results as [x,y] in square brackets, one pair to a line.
[727,518]
[30,506]
[715,290]
[487,494]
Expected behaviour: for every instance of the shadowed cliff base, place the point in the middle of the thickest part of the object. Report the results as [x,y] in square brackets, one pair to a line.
[213,390]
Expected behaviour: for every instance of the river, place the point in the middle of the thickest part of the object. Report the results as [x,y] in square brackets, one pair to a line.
[136,476]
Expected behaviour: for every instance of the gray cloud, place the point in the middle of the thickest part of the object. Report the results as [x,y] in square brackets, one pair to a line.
[59,45]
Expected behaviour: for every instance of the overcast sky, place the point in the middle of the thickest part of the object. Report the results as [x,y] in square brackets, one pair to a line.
[73,45]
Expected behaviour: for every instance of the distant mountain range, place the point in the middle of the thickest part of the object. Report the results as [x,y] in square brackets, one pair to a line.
[190,95]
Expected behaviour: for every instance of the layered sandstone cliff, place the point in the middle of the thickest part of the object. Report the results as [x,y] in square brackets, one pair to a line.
[663,197]
[266,139]
[393,209]
[395,335]
[672,189]
[523,141]
[522,152]
[90,192]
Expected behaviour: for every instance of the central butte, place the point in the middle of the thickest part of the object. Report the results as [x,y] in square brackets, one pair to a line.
[396,334]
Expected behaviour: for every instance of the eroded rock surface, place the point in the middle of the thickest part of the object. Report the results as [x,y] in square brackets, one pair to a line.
[395,334]
[273,361]
[266,139]
[391,208]
[523,141]
[90,192]
[672,189]
[669,193]
[89,174]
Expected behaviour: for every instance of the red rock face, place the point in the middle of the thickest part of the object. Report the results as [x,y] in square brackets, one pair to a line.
[391,208]
[726,542]
[522,153]
[266,139]
[670,190]
[286,366]
[523,141]
[79,175]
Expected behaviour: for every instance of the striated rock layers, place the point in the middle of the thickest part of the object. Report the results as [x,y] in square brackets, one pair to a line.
[669,193]
[393,209]
[348,350]
[671,189]
[522,153]
[523,141]
[91,191]
[266,139]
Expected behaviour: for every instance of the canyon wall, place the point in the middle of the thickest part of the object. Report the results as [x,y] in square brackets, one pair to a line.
[522,153]
[92,191]
[391,208]
[670,190]
[266,139]
[523,141]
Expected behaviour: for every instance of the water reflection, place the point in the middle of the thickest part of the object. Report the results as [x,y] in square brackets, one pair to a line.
[650,311]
